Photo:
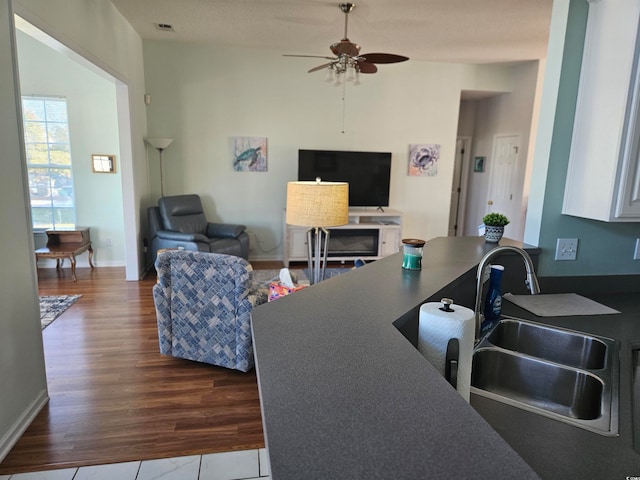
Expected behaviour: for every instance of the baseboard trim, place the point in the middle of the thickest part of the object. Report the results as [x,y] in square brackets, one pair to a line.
[265,258]
[10,438]
[81,263]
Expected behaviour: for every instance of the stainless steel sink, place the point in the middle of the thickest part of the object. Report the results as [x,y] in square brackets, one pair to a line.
[559,346]
[565,391]
[562,374]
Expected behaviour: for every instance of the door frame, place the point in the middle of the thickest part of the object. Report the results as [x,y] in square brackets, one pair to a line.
[465,168]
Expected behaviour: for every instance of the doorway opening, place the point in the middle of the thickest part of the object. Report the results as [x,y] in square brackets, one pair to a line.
[105,203]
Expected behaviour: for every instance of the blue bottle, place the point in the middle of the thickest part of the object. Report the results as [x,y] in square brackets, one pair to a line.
[493,300]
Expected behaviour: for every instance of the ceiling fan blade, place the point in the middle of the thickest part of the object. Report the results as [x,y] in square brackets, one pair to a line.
[345,47]
[319,67]
[309,56]
[366,67]
[384,58]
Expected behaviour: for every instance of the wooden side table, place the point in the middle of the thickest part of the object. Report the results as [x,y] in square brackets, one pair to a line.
[67,243]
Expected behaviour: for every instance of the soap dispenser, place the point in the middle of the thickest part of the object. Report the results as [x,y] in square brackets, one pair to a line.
[493,300]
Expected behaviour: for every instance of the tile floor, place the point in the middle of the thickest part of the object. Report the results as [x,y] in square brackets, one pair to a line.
[240,465]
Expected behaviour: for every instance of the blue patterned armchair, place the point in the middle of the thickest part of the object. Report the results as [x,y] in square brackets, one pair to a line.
[203,303]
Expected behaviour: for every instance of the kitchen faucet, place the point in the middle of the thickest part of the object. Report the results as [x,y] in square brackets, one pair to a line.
[483,274]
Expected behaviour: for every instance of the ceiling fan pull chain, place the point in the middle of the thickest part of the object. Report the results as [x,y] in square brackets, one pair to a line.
[344,102]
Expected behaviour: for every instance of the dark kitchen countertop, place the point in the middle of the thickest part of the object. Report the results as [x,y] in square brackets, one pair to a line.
[344,394]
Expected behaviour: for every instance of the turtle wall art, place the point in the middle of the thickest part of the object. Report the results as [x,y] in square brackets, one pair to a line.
[249,154]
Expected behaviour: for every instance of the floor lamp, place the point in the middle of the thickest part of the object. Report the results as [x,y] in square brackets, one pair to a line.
[317,205]
[160,144]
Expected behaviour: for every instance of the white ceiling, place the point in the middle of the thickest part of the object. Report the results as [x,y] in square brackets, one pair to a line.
[458,31]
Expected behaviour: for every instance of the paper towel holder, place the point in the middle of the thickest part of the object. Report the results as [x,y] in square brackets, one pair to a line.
[452,355]
[446,305]
[451,362]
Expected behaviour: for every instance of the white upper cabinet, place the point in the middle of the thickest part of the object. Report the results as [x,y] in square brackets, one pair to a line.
[603,177]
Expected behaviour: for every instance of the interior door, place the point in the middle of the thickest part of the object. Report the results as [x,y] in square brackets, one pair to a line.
[503,192]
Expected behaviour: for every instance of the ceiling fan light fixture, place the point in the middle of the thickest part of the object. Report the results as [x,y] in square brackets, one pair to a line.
[331,74]
[351,75]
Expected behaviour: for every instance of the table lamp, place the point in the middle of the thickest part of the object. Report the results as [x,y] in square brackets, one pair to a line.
[317,205]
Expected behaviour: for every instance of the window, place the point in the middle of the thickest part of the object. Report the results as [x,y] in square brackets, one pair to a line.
[46,136]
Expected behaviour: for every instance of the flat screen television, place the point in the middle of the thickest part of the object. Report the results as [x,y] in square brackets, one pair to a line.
[368,173]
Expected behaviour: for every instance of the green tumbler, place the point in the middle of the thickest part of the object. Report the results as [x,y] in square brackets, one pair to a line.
[412,253]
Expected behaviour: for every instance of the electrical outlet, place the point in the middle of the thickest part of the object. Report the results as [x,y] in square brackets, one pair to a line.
[109,242]
[636,252]
[566,248]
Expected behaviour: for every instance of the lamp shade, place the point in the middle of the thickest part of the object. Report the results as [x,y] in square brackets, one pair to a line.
[317,204]
[159,143]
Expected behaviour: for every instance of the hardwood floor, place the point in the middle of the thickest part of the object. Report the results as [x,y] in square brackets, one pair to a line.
[114,398]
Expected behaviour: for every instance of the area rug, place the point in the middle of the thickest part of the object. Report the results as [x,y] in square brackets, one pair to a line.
[51,307]
[333,272]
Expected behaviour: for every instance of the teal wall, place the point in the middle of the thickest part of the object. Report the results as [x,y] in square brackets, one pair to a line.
[603,248]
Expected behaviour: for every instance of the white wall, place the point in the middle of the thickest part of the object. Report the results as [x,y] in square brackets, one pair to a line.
[93,125]
[202,95]
[509,113]
[22,373]
[467,118]
[546,119]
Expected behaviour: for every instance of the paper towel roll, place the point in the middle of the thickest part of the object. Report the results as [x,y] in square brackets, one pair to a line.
[436,327]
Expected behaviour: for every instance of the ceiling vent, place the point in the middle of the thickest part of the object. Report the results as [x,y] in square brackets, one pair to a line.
[165,27]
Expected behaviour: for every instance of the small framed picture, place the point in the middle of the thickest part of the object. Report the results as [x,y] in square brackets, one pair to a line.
[478,164]
[103,163]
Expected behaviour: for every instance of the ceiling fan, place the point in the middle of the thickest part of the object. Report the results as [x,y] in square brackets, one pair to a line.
[348,59]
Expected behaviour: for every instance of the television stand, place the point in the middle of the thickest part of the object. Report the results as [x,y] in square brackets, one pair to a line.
[370,235]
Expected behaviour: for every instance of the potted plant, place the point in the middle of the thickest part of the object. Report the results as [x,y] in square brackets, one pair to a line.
[494,224]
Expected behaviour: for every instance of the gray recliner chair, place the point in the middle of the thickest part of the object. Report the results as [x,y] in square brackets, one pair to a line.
[179,222]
